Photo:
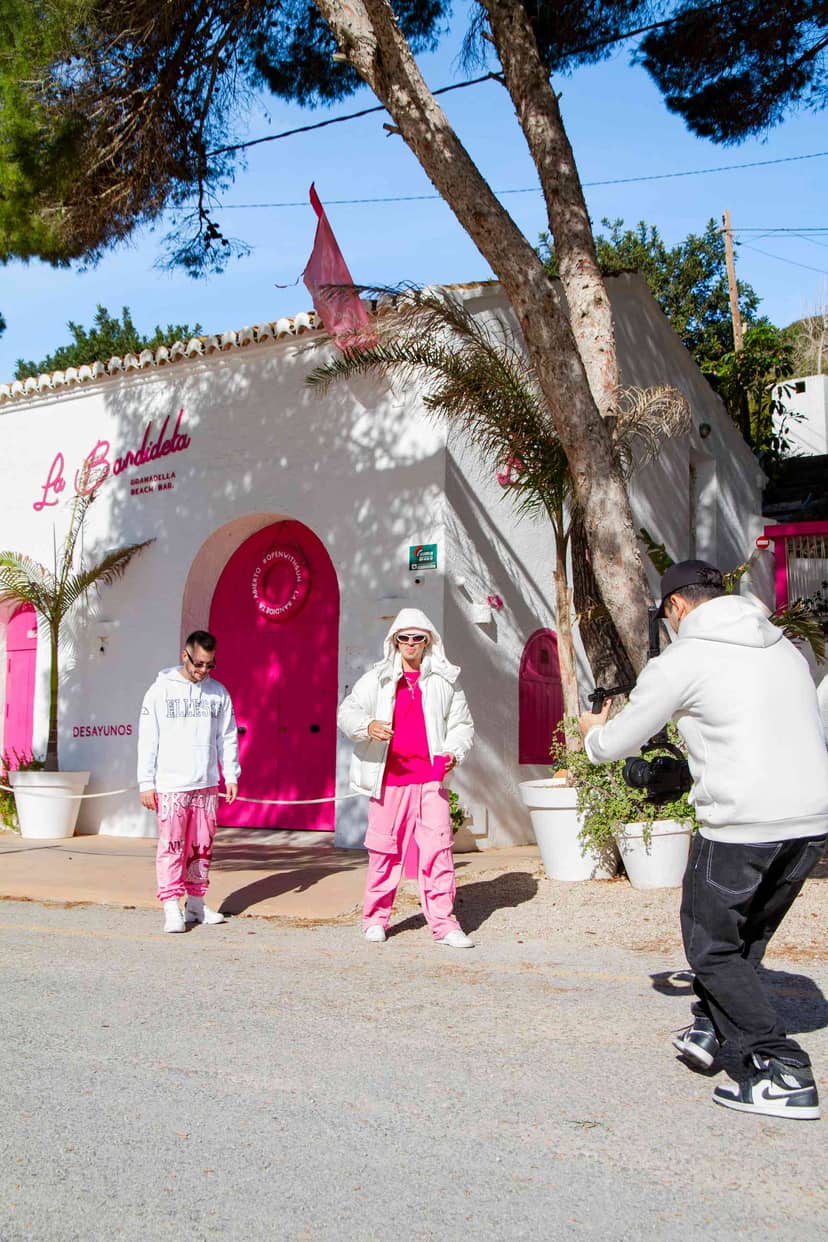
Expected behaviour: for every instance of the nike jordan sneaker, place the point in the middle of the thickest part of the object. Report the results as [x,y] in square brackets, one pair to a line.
[775,1089]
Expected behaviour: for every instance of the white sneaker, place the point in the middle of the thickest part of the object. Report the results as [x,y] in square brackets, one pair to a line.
[456,939]
[195,911]
[375,933]
[173,918]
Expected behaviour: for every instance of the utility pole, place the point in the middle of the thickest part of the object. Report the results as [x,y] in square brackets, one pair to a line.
[731,283]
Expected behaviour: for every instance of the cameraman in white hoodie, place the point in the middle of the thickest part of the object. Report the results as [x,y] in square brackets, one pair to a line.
[186,728]
[744,702]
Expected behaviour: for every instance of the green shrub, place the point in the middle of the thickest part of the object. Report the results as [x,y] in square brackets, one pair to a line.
[455,810]
[606,802]
[13,763]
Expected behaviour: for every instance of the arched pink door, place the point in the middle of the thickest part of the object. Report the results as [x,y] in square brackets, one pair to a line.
[540,698]
[275,614]
[21,658]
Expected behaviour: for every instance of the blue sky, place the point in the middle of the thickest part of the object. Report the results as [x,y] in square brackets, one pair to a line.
[619,128]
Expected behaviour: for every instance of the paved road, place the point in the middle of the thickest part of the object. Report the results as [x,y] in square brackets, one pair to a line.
[254,1081]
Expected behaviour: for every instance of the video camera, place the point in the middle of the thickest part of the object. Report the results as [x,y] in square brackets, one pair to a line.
[666,776]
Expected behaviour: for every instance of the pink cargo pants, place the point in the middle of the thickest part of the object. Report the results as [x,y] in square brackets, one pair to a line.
[186,827]
[402,814]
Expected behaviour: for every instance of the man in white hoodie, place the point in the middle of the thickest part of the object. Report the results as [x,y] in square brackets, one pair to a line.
[411,725]
[187,727]
[744,702]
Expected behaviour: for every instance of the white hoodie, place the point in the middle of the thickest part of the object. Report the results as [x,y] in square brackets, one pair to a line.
[448,722]
[744,702]
[184,730]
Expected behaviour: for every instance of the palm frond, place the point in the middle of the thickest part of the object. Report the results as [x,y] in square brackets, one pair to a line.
[24,580]
[800,624]
[646,417]
[104,573]
[657,552]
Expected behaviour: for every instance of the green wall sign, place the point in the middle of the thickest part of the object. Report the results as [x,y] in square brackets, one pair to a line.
[422,556]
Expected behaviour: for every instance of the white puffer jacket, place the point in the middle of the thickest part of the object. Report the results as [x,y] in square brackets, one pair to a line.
[449,726]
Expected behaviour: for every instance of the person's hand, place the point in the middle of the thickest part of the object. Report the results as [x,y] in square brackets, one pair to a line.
[451,762]
[149,800]
[380,730]
[231,792]
[588,720]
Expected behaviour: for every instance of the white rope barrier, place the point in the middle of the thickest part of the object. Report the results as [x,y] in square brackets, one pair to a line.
[111,793]
[298,801]
[46,793]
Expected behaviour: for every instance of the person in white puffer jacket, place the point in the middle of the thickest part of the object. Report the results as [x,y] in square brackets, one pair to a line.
[411,725]
[743,700]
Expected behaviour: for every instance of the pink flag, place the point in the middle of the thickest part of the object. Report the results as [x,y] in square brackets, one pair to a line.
[340,308]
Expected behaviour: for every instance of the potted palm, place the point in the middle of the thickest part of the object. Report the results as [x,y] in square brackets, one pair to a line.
[48,799]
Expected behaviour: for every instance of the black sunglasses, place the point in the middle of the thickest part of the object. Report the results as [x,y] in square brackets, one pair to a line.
[200,664]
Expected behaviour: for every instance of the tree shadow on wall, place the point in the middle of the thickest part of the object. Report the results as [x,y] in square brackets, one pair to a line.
[477,902]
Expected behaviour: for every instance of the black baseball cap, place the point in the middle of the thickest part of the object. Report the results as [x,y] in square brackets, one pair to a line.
[688,573]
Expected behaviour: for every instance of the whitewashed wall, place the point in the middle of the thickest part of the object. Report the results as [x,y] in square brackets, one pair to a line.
[493,551]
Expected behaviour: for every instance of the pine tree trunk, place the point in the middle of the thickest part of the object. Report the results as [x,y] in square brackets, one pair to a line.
[368,35]
[603,646]
[536,105]
[566,644]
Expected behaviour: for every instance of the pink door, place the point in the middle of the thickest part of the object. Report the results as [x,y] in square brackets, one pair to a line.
[275,614]
[540,698]
[21,657]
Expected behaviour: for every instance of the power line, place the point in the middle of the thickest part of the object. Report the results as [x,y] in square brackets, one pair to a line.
[337,120]
[443,90]
[419,198]
[793,262]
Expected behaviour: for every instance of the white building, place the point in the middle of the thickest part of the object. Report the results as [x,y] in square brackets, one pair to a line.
[287,523]
[807,400]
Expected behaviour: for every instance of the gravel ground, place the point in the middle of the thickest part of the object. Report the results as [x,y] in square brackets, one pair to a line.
[611,913]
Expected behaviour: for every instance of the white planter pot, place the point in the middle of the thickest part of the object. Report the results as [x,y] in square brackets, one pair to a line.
[556,825]
[661,863]
[40,811]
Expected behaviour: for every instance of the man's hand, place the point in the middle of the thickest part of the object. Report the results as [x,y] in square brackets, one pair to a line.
[231,792]
[588,720]
[380,730]
[451,762]
[149,800]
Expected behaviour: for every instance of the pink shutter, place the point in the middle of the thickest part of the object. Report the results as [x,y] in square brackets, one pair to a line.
[540,698]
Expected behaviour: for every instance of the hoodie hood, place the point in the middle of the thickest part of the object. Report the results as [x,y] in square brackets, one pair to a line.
[434,660]
[730,619]
[172,674]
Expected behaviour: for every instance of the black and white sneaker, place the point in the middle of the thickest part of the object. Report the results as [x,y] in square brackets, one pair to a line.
[776,1090]
[697,1043]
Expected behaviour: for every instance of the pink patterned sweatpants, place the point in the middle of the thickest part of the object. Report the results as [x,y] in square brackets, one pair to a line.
[403,812]
[186,827]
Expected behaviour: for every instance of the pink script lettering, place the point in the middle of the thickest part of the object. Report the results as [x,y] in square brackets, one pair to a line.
[55,482]
[96,465]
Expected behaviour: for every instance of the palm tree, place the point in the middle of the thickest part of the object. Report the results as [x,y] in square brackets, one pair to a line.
[54,592]
[477,377]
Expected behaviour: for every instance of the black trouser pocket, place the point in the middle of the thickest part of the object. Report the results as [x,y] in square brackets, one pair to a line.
[738,870]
